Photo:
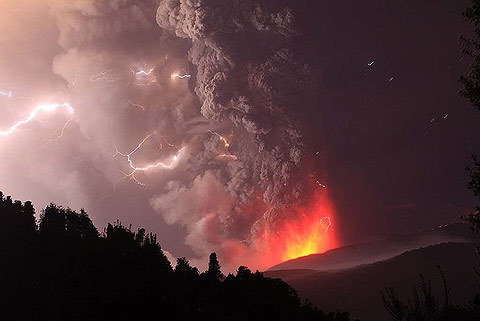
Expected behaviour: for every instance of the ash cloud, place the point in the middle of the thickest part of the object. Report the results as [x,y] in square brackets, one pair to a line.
[258,91]
[237,115]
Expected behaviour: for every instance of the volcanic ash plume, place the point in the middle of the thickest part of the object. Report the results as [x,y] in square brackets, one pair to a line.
[194,108]
[250,76]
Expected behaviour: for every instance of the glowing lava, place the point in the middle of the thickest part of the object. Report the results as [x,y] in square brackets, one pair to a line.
[304,230]
[311,232]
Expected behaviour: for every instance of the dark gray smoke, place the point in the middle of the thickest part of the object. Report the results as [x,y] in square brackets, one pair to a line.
[250,75]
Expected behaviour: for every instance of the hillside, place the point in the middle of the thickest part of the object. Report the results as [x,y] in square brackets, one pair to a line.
[358,290]
[354,255]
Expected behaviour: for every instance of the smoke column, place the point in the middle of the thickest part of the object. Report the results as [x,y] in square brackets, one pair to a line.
[257,93]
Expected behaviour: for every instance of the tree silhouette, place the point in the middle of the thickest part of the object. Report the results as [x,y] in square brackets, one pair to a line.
[471,91]
[63,269]
[214,267]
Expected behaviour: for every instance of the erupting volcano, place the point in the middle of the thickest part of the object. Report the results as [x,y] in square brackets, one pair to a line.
[310,230]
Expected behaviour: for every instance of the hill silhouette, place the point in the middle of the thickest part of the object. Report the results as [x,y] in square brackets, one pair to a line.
[365,253]
[64,269]
[401,272]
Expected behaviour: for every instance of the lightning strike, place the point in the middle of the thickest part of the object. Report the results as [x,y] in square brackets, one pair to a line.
[222,139]
[230,156]
[33,114]
[143,72]
[144,77]
[164,142]
[7,94]
[137,105]
[104,75]
[134,169]
[59,133]
[74,81]
[184,76]
[328,224]
[320,184]
[160,164]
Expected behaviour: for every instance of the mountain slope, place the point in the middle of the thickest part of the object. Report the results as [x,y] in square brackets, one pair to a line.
[350,256]
[358,290]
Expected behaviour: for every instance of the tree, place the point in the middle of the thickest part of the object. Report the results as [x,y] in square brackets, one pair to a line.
[471,91]
[184,269]
[214,271]
[68,271]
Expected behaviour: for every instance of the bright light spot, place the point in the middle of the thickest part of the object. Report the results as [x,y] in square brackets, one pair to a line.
[310,232]
[185,75]
[7,94]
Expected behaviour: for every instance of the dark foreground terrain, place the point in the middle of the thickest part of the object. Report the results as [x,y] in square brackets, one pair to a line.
[358,289]
[64,269]
[382,249]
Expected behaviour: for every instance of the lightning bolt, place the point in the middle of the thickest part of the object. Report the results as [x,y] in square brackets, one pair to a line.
[137,105]
[160,164]
[74,82]
[33,114]
[230,156]
[223,139]
[184,76]
[144,77]
[59,132]
[7,94]
[104,75]
[226,144]
[143,72]
[326,225]
[320,184]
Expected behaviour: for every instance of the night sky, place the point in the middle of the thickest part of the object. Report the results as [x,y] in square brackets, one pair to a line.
[285,105]
[398,133]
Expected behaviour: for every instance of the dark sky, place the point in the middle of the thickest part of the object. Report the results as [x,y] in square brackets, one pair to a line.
[398,133]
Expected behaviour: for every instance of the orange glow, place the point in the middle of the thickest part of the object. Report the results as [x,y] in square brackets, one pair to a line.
[305,230]
[311,232]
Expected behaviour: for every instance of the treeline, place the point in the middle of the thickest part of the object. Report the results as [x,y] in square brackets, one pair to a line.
[63,269]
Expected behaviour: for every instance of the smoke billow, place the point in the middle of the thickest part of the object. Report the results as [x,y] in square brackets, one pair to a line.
[235,114]
[258,91]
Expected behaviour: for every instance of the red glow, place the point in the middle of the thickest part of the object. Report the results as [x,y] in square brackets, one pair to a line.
[312,231]
[304,231]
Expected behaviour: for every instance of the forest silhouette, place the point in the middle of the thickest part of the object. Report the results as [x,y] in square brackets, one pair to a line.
[64,269]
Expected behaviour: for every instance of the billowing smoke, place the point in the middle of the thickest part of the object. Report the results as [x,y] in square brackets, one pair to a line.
[258,91]
[192,106]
